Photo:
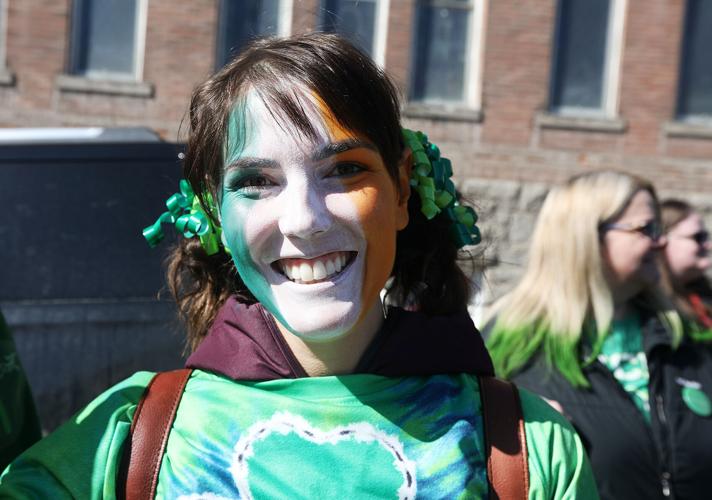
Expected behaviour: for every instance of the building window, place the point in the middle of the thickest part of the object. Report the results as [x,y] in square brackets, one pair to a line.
[446,60]
[364,22]
[108,39]
[695,90]
[586,57]
[243,20]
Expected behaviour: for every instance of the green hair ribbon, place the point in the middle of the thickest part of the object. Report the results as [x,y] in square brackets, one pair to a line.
[431,179]
[189,218]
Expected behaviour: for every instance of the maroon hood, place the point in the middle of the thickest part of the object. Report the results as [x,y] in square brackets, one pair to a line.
[245,344]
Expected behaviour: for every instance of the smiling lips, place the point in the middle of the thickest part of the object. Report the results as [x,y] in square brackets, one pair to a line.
[314,270]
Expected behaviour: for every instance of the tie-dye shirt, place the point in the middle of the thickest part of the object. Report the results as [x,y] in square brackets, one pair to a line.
[355,436]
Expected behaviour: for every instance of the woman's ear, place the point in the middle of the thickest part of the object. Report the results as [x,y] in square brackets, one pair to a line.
[405,166]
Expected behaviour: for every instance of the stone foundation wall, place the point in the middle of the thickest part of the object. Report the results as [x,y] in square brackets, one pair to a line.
[508,211]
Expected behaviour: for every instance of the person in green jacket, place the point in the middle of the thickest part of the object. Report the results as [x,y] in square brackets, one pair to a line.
[19,424]
[303,199]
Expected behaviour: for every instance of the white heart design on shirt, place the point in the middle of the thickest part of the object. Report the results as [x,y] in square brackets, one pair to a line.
[285,423]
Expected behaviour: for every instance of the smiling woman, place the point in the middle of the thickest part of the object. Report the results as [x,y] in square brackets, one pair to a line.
[304,383]
[302,205]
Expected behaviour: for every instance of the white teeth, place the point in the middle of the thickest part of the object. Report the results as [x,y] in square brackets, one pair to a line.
[319,270]
[306,273]
[316,270]
[287,270]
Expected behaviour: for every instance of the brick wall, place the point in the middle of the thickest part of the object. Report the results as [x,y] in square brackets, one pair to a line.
[504,160]
[516,69]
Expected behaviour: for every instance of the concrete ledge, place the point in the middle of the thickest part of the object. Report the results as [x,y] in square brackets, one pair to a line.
[37,313]
[453,112]
[587,123]
[80,84]
[7,77]
[688,130]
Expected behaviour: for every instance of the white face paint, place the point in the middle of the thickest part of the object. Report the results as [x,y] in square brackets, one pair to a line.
[291,213]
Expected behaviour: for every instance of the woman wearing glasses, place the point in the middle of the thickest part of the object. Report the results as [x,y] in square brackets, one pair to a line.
[589,329]
[687,257]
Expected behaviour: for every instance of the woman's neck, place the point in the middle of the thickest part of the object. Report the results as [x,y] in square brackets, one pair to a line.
[338,356]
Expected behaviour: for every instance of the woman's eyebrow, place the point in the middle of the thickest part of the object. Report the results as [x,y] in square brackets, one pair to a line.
[249,162]
[335,148]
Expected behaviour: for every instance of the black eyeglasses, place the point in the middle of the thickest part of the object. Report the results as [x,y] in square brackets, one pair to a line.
[652,229]
[700,237]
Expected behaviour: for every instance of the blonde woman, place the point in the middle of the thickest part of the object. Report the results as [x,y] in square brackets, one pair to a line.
[588,328]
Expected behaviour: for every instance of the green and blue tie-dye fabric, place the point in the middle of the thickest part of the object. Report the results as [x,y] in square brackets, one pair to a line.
[356,436]
[622,353]
[380,437]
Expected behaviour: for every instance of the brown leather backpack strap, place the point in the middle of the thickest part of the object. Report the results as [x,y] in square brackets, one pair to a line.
[505,440]
[146,443]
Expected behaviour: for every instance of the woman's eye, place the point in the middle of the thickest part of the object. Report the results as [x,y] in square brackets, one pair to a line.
[255,182]
[345,169]
[251,184]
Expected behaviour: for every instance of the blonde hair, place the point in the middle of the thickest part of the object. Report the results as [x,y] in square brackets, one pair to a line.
[563,293]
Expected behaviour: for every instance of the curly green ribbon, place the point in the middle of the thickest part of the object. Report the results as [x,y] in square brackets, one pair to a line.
[431,179]
[189,218]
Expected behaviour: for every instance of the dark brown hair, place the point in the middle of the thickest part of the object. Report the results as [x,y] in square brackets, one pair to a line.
[672,212]
[363,100]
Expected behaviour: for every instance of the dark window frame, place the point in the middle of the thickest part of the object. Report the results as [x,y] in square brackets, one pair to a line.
[683,76]
[374,39]
[222,51]
[75,45]
[594,112]
[470,58]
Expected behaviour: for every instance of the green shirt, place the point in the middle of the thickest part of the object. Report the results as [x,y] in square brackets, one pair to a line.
[19,424]
[355,436]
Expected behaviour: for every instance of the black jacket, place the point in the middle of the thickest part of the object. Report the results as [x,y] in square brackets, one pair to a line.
[671,457]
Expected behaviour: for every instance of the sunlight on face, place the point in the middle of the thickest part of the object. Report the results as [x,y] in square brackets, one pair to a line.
[311,223]
[630,256]
[688,249]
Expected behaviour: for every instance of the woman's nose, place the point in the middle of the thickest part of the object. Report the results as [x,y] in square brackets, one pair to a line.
[304,213]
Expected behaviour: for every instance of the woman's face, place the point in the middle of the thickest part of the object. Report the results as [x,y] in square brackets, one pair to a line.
[628,249]
[688,248]
[311,223]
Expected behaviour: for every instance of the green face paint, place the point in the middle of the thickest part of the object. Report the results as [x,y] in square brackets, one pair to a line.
[236,203]
[292,227]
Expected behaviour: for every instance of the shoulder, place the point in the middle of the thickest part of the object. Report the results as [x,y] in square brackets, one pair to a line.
[122,395]
[541,378]
[558,465]
[77,458]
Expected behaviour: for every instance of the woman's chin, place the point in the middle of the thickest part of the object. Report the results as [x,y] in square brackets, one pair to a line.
[323,324]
